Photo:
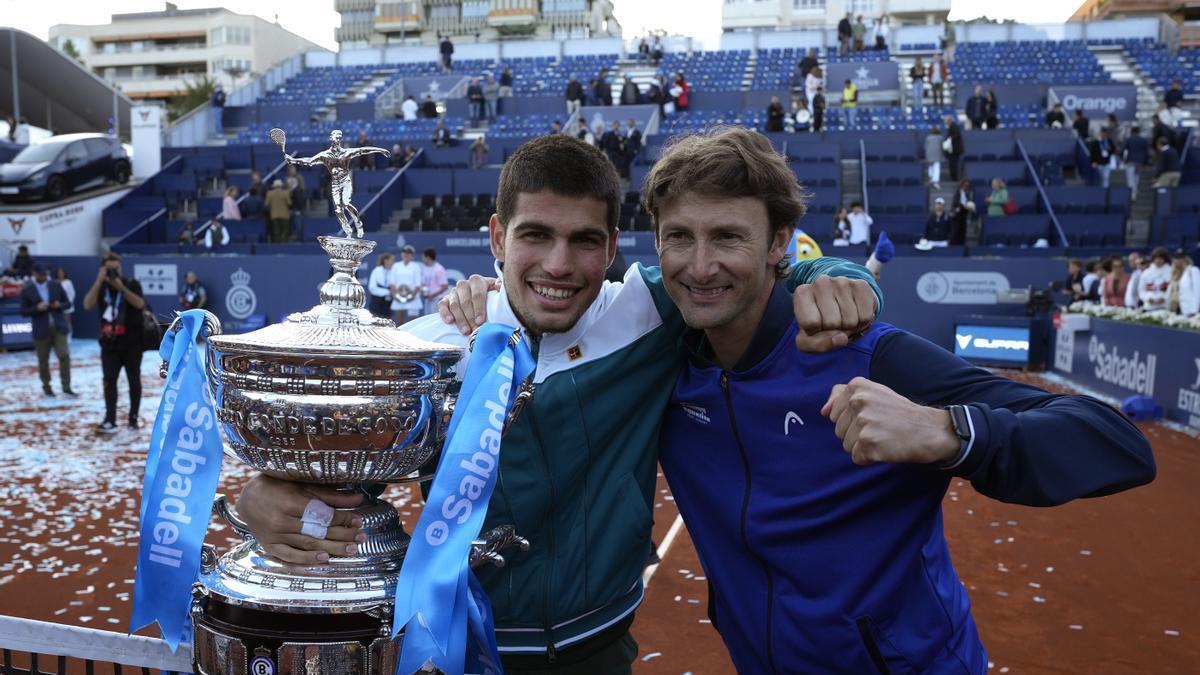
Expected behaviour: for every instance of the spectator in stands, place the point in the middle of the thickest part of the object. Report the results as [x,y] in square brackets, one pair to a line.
[446,48]
[881,33]
[680,92]
[1155,280]
[801,115]
[441,135]
[279,213]
[1115,136]
[998,198]
[949,40]
[845,34]
[656,50]
[44,301]
[404,281]
[991,111]
[939,75]
[1136,265]
[408,109]
[818,109]
[119,302]
[1173,98]
[475,97]
[22,264]
[216,235]
[812,82]
[506,83]
[603,88]
[850,103]
[964,209]
[256,187]
[934,156]
[954,147]
[1056,118]
[1082,125]
[1074,280]
[429,107]
[218,109]
[491,92]
[187,234]
[775,114]
[581,131]
[433,280]
[611,145]
[380,303]
[556,127]
[1160,130]
[1135,155]
[860,224]
[597,135]
[841,228]
[1092,281]
[574,95]
[859,31]
[410,153]
[590,97]
[397,159]
[629,92]
[1112,293]
[365,161]
[643,51]
[1183,295]
[229,205]
[917,75]
[1103,155]
[298,188]
[807,64]
[632,144]
[1168,165]
[192,295]
[938,226]
[477,156]
[658,94]
[977,108]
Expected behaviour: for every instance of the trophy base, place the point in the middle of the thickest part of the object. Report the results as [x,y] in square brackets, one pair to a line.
[236,640]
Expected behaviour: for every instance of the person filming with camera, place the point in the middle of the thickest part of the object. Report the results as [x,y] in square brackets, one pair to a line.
[120,303]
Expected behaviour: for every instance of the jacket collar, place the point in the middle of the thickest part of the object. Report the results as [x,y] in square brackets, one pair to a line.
[774,324]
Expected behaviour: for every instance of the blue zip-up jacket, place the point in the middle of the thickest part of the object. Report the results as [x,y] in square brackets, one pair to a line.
[821,566]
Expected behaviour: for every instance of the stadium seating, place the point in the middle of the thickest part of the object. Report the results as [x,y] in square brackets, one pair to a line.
[707,71]
[1018,62]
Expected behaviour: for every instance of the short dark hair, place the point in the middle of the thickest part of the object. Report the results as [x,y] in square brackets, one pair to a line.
[1091,265]
[429,253]
[728,162]
[1160,252]
[111,255]
[563,165]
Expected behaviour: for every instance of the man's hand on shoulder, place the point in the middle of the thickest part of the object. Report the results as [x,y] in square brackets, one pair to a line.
[832,311]
[274,511]
[465,305]
[876,425]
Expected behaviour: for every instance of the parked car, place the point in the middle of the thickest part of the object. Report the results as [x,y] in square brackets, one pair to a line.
[56,167]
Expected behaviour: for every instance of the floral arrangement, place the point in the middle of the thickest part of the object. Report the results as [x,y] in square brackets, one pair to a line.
[1158,317]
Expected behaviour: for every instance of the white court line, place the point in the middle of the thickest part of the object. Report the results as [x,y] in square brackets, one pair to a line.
[662,549]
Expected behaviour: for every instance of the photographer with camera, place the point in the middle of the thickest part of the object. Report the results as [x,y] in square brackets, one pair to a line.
[120,303]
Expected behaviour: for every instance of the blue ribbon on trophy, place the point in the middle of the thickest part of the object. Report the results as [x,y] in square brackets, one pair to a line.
[437,596]
[183,465]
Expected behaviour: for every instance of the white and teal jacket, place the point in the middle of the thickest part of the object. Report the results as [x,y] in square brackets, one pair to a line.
[578,467]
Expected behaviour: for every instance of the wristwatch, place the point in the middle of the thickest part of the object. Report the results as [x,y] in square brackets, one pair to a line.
[962,428]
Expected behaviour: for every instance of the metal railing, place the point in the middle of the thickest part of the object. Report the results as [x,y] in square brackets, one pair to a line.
[1037,182]
[64,643]
[199,232]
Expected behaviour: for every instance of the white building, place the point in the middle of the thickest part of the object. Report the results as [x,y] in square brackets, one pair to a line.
[742,15]
[153,55]
[379,22]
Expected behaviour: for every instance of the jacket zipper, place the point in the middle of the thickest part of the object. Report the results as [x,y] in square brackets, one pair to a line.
[872,645]
[551,652]
[745,507]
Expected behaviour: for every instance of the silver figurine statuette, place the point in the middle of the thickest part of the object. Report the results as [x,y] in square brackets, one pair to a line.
[336,159]
[332,396]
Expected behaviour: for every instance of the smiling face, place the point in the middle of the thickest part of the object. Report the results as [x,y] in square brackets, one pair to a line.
[718,260]
[555,250]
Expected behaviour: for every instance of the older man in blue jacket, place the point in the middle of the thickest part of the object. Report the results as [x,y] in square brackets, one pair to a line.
[44,300]
[812,483]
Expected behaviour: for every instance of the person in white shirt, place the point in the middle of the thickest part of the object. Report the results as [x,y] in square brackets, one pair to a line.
[404,282]
[68,287]
[812,82]
[409,109]
[1135,276]
[1091,282]
[1184,293]
[1155,280]
[377,286]
[860,224]
[216,235]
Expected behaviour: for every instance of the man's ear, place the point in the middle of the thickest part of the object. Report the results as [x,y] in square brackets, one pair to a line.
[496,237]
[779,244]
[613,238]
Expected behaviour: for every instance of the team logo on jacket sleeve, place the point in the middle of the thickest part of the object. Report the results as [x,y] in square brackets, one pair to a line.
[697,413]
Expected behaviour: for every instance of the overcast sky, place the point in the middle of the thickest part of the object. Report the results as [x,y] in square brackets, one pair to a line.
[315,19]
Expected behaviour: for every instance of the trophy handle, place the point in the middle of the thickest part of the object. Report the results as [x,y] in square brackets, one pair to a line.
[225,512]
[212,326]
[487,548]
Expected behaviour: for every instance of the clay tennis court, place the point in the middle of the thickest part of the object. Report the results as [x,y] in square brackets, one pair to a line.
[1098,586]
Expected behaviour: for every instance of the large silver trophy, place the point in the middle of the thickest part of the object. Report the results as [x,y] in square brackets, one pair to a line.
[332,396]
